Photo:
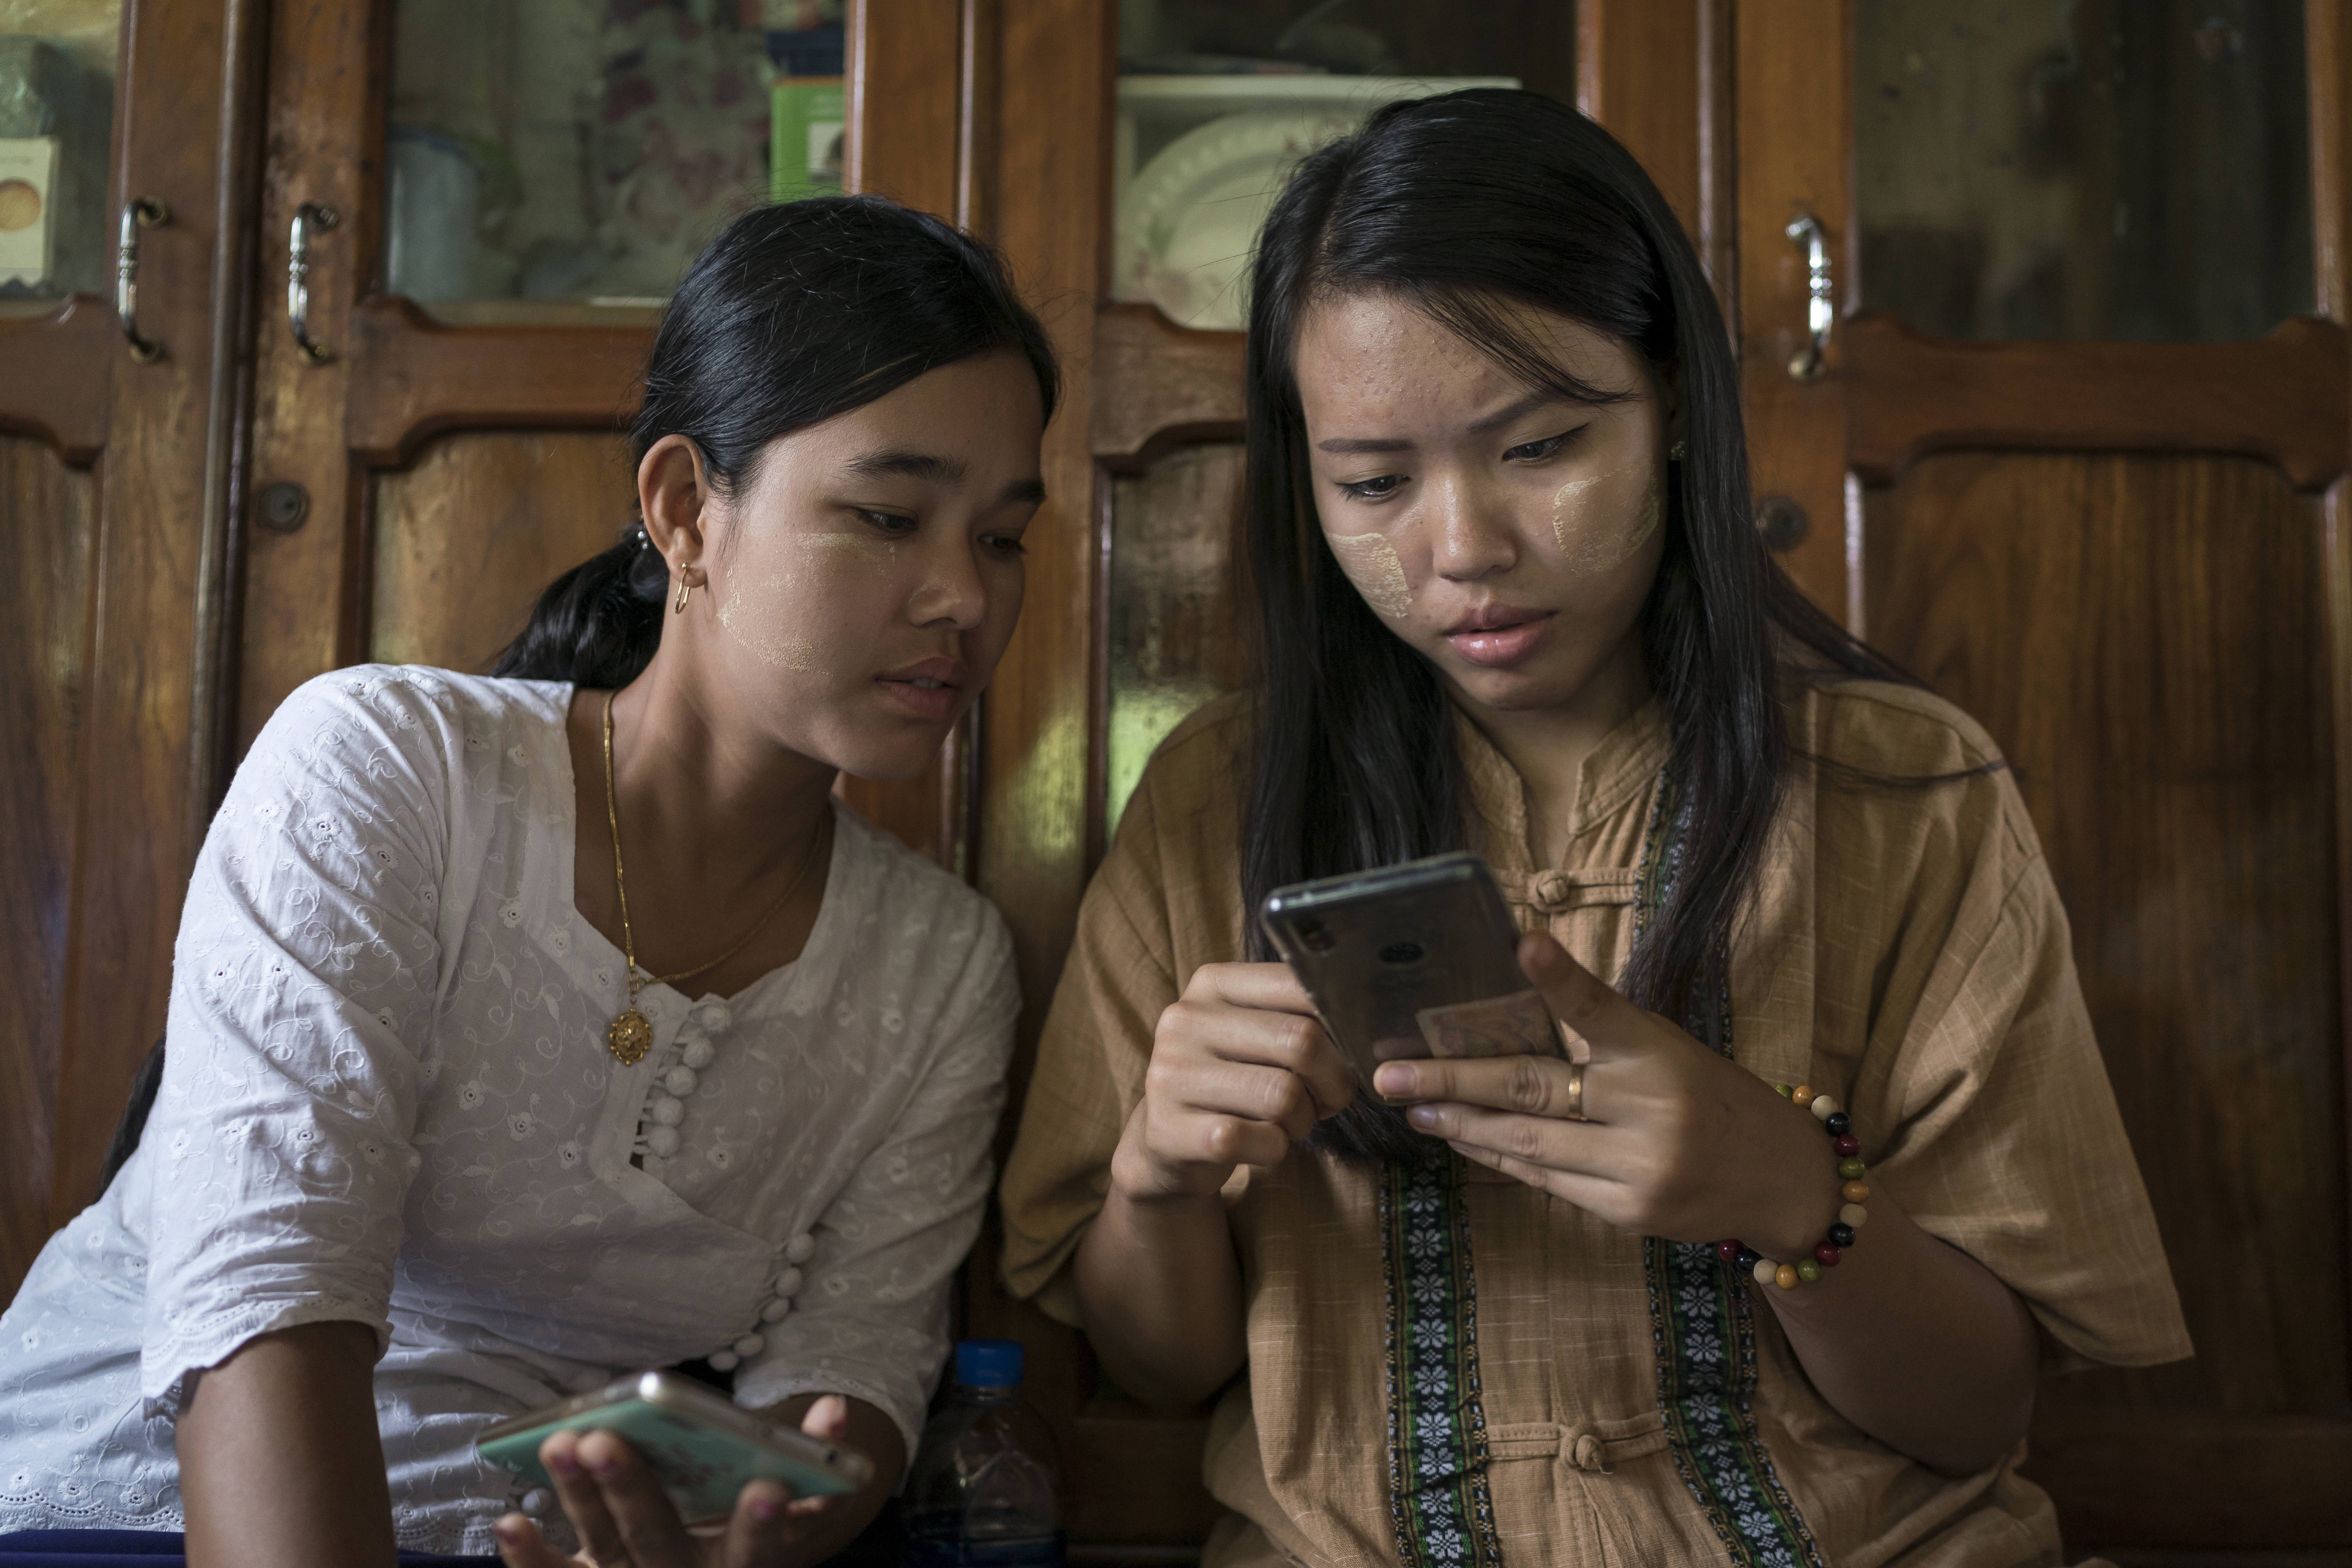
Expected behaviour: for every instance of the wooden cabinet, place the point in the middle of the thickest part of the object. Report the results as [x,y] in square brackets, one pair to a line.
[2125,557]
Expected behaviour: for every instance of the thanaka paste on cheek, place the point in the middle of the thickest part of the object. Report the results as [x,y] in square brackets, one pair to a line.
[1372,565]
[753,613]
[1592,540]
[879,554]
[753,630]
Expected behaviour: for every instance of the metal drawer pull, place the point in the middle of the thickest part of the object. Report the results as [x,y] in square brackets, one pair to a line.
[1808,363]
[138,213]
[308,215]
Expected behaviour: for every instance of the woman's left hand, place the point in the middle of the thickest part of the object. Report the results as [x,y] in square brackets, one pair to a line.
[625,1521]
[1678,1140]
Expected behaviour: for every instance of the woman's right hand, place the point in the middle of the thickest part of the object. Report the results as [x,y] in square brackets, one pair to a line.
[623,1515]
[1241,1069]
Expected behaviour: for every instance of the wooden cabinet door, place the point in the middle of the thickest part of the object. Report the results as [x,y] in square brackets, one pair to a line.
[2104,514]
[117,489]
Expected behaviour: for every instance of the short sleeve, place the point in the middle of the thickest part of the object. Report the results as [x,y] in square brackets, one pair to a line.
[1091,1062]
[302,1001]
[872,1320]
[2008,1144]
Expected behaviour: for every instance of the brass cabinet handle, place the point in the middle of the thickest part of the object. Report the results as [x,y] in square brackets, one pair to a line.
[309,216]
[1808,363]
[138,213]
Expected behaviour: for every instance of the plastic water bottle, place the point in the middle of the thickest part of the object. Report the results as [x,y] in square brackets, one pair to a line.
[985,1486]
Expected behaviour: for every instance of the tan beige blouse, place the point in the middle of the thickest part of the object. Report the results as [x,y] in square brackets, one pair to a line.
[1906,951]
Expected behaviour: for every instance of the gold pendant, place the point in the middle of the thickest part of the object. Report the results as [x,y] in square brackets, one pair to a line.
[630,1036]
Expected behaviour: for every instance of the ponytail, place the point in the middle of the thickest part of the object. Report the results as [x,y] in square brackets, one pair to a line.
[596,625]
[794,314]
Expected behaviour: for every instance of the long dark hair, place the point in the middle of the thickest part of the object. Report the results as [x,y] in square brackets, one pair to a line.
[793,314]
[1456,204]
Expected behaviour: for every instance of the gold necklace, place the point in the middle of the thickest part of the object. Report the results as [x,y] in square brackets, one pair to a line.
[631,1035]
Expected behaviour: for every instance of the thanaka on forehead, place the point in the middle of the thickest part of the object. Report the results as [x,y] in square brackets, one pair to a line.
[1542,398]
[933,469]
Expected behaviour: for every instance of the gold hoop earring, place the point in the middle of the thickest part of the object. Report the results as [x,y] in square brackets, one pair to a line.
[684,588]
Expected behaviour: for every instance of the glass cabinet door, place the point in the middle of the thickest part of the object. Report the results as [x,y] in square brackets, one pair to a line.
[2084,431]
[1218,99]
[57,119]
[56,112]
[2119,169]
[118,247]
[583,152]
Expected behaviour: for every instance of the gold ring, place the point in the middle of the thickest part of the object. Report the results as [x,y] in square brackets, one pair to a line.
[1576,1092]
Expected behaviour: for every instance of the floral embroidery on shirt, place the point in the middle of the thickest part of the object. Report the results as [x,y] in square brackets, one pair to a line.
[1702,1324]
[1439,1500]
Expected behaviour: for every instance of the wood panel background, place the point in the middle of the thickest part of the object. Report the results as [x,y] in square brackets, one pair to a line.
[2145,639]
[44,635]
[149,688]
[1177,624]
[466,538]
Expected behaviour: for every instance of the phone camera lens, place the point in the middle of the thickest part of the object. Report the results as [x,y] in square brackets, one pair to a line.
[1401,952]
[1316,935]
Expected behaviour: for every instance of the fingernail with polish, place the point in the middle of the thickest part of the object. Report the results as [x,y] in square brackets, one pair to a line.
[563,1463]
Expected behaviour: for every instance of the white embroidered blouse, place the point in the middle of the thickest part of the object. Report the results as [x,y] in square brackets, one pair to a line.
[387,1100]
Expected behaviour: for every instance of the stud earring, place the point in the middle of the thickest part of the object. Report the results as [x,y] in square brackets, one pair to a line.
[684,588]
[1675,453]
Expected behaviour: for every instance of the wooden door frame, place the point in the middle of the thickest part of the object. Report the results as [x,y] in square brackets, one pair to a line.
[2328,41]
[168,455]
[2259,1482]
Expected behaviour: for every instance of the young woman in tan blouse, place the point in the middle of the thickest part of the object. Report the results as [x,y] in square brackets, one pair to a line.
[1512,601]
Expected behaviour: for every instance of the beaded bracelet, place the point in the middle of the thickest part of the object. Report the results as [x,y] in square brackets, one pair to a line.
[1738,1256]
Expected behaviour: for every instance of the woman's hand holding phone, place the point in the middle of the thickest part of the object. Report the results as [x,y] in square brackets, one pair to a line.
[1677,1141]
[622,1515]
[1683,1143]
[1241,1069]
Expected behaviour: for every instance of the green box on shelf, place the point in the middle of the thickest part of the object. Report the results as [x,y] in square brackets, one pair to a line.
[805,137]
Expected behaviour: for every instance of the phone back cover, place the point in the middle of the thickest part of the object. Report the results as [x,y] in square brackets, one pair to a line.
[1416,959]
[702,1469]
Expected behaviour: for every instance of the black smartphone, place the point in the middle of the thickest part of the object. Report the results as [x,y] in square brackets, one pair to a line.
[1419,959]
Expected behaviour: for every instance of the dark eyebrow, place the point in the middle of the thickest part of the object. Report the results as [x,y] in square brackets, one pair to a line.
[1520,410]
[1347,447]
[1030,490]
[896,465]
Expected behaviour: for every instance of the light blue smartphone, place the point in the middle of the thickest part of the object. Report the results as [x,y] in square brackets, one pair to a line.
[701,1447]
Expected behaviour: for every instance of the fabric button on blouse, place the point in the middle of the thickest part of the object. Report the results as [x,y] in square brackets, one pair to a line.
[677,1073]
[1549,891]
[774,1309]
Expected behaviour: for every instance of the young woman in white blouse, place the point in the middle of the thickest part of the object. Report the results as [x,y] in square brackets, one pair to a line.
[530,1029]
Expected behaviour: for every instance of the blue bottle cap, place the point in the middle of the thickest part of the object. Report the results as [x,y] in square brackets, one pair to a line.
[989,1363]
